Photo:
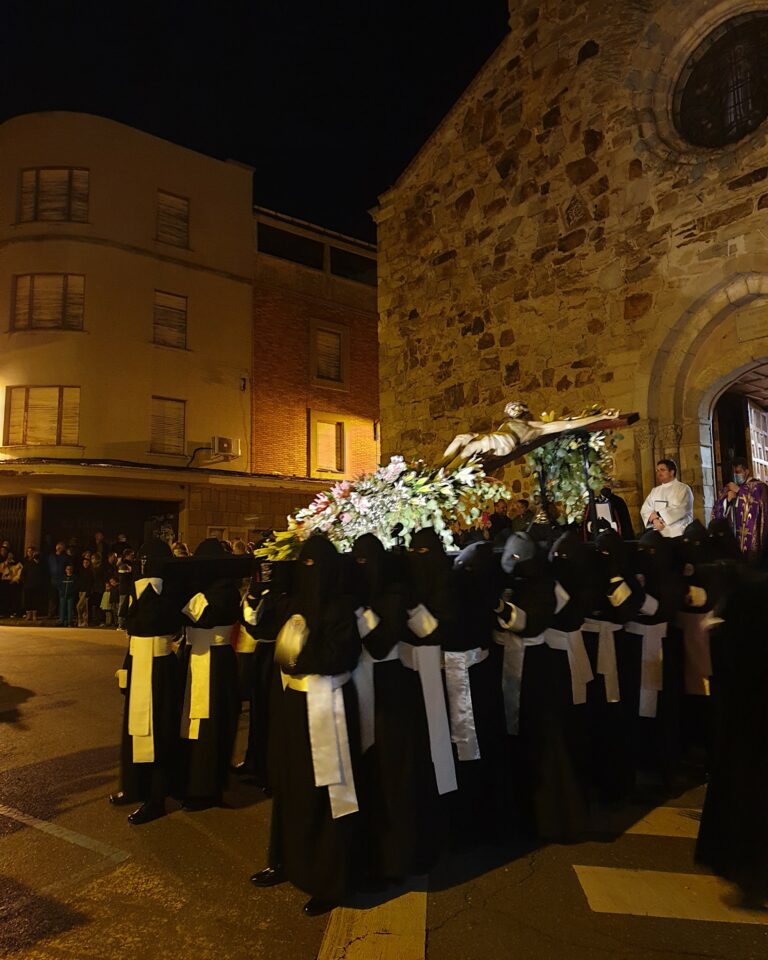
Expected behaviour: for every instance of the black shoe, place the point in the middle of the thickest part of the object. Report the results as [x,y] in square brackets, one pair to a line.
[120,799]
[149,810]
[316,908]
[268,877]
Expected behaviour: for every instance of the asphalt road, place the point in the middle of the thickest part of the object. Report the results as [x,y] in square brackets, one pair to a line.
[77,881]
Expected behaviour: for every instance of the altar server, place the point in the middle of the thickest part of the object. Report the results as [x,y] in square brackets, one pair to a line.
[668,508]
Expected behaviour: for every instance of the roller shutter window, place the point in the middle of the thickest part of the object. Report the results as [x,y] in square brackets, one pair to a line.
[170,320]
[328,346]
[329,440]
[48,416]
[172,219]
[49,301]
[167,427]
[54,194]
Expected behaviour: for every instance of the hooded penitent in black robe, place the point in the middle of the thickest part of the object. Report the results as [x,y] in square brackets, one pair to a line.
[615,597]
[215,609]
[656,739]
[319,854]
[398,779]
[733,839]
[261,616]
[547,750]
[480,807]
[155,613]
[701,587]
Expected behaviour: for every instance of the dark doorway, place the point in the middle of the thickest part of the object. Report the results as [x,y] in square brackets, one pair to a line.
[731,432]
[13,512]
[80,517]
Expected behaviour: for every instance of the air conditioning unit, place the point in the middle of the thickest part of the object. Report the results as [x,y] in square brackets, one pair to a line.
[228,448]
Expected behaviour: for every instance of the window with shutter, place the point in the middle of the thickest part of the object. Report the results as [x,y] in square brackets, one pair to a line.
[54,193]
[172,219]
[170,320]
[328,352]
[329,355]
[49,301]
[329,446]
[167,426]
[47,416]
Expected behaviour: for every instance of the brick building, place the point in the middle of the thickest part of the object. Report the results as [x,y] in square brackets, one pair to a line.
[587,224]
[131,394]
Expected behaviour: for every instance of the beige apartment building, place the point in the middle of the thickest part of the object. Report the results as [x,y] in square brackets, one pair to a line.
[126,339]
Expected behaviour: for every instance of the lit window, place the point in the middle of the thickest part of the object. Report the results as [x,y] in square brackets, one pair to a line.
[49,301]
[59,193]
[170,320]
[329,446]
[167,427]
[172,219]
[722,93]
[47,416]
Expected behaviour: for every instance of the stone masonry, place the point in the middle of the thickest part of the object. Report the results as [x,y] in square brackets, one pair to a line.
[555,241]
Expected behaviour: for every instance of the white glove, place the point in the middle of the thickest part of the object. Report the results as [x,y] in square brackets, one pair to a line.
[195,608]
[421,622]
[697,596]
[516,617]
[367,621]
[650,606]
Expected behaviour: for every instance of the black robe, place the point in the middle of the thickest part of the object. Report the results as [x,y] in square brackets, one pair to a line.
[321,855]
[398,780]
[154,615]
[733,839]
[206,760]
[481,805]
[546,751]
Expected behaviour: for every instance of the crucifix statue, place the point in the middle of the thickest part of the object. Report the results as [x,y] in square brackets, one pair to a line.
[519,434]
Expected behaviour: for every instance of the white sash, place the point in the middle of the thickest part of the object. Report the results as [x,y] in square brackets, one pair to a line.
[140,716]
[363,679]
[197,693]
[427,662]
[606,655]
[698,655]
[463,732]
[581,670]
[651,670]
[512,672]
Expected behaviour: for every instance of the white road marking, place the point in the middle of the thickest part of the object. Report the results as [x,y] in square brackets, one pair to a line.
[652,893]
[395,930]
[62,833]
[669,822]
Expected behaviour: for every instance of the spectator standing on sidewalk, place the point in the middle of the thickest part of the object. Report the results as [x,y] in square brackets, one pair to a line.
[33,585]
[67,589]
[56,563]
[83,588]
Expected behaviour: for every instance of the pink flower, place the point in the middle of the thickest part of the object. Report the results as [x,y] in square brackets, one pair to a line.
[346,517]
[342,490]
[320,502]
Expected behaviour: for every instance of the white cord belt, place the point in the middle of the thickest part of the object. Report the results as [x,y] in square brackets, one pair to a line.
[197,693]
[606,655]
[140,716]
[651,669]
[572,642]
[328,737]
[463,732]
[427,662]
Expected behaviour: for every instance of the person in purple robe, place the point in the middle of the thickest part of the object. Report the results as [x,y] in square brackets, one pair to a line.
[744,504]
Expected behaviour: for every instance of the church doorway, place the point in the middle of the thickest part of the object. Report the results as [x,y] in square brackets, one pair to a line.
[740,425]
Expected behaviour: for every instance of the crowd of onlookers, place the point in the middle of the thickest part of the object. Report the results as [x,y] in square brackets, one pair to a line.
[91,587]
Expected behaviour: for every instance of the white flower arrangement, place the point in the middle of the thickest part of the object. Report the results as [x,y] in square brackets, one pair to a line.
[412,495]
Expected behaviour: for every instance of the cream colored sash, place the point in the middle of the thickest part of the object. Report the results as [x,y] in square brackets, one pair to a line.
[140,717]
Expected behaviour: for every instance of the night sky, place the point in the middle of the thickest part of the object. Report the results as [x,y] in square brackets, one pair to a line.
[327,100]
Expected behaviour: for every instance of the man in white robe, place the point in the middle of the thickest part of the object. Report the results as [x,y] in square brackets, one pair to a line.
[668,508]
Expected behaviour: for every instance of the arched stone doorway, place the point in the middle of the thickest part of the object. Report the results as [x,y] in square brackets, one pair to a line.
[714,345]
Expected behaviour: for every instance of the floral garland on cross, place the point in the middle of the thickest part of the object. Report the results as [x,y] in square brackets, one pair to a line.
[562,460]
[402,495]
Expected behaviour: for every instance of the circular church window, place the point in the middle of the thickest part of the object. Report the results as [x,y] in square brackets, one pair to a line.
[721,95]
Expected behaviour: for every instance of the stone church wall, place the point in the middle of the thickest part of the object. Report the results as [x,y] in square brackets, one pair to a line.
[555,241]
